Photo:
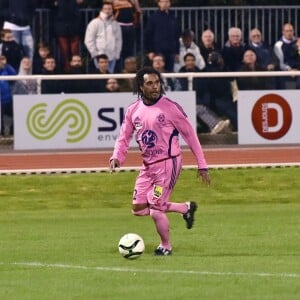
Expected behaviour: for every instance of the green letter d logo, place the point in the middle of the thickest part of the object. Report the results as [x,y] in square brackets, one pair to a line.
[70,112]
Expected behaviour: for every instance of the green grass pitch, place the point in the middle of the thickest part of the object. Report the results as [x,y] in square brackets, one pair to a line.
[59,236]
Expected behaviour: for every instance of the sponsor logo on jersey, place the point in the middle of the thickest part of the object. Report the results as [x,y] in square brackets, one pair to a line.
[158,190]
[149,138]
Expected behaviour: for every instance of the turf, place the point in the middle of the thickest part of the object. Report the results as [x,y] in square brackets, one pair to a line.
[59,236]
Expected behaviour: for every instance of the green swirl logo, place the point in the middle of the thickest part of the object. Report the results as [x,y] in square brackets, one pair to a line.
[70,112]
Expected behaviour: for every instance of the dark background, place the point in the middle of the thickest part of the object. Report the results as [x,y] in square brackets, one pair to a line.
[149,3]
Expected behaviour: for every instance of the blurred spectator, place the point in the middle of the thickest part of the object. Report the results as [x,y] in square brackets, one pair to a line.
[18,17]
[76,67]
[25,86]
[6,97]
[232,54]
[190,65]
[162,34]
[207,44]
[170,84]
[298,52]
[90,4]
[112,85]
[10,49]
[233,50]
[187,45]
[250,63]
[219,93]
[263,53]
[50,86]
[286,52]
[99,85]
[204,112]
[43,51]
[128,14]
[103,35]
[130,67]
[67,26]
[103,64]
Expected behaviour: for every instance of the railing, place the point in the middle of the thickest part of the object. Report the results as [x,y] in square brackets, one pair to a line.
[188,75]
[268,18]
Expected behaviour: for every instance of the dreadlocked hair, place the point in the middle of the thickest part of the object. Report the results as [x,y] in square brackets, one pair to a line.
[139,80]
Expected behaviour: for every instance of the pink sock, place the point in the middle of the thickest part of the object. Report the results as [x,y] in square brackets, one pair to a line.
[162,226]
[177,207]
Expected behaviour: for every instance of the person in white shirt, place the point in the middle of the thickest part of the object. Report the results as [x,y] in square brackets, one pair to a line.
[187,45]
[103,36]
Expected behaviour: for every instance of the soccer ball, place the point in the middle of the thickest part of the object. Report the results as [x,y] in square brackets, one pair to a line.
[131,246]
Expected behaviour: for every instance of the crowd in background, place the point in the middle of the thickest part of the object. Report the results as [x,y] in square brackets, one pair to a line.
[105,46]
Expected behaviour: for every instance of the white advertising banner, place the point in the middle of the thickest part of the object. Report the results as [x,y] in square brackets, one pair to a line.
[269,117]
[78,121]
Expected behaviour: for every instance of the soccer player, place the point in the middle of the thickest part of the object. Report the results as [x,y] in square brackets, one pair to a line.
[158,121]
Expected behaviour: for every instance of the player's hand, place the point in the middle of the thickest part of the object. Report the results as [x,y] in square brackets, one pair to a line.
[204,176]
[113,164]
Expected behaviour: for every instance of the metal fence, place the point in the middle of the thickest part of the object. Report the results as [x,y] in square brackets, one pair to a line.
[268,18]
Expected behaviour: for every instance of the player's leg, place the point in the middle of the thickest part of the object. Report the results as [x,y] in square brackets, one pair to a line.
[164,175]
[143,192]
[173,170]
[162,225]
[140,206]
[187,209]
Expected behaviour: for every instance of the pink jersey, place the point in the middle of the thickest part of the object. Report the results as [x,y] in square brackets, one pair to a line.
[157,127]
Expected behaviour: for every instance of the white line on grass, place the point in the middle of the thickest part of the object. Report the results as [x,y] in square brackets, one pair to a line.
[137,168]
[187,272]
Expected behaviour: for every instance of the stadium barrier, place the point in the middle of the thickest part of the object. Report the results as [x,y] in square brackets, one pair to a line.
[188,75]
[272,104]
[218,18]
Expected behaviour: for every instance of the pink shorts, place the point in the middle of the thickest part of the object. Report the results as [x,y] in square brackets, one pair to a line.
[155,183]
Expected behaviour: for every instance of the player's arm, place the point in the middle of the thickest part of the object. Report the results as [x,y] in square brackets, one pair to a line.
[122,143]
[188,133]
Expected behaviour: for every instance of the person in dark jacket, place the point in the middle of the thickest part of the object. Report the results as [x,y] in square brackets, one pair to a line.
[286,52]
[6,97]
[233,50]
[43,50]
[18,16]
[207,44]
[205,114]
[263,52]
[219,90]
[50,86]
[10,49]
[169,83]
[251,64]
[76,67]
[99,85]
[162,34]
[67,28]
[128,14]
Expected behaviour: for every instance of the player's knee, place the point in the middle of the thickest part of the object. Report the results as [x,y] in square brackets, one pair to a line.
[156,211]
[140,210]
